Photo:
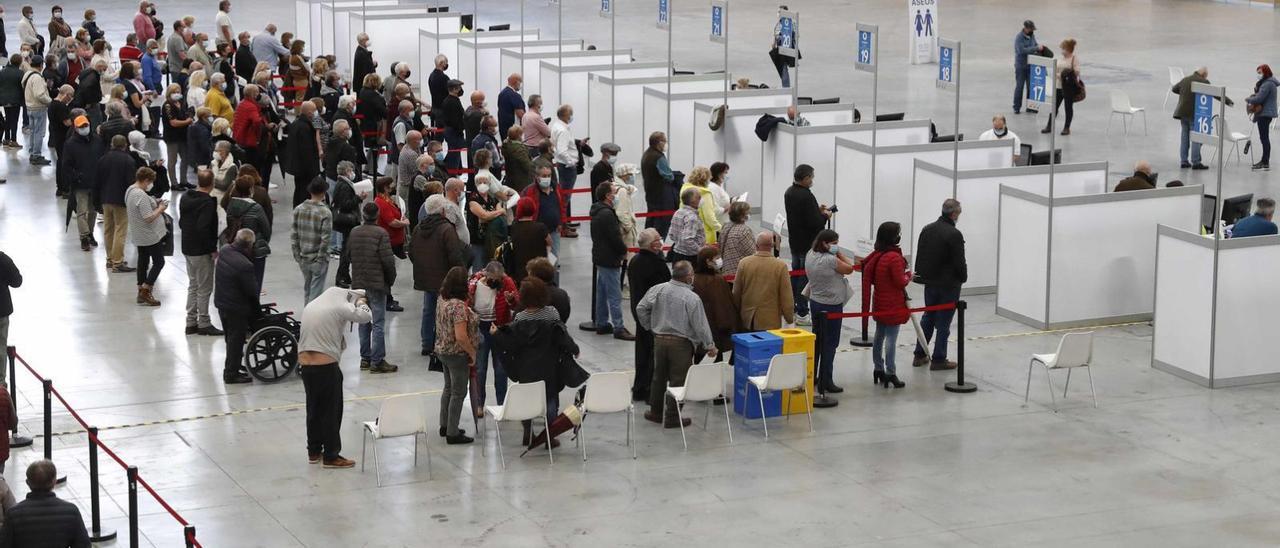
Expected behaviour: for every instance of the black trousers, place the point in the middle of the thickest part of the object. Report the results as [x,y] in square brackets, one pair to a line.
[323,387]
[150,262]
[658,202]
[235,329]
[644,363]
[11,114]
[301,180]
[1071,111]
[343,278]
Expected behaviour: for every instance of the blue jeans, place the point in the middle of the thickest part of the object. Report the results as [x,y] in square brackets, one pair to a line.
[798,283]
[568,178]
[784,74]
[609,298]
[482,367]
[555,243]
[939,321]
[1185,143]
[1019,86]
[886,339]
[428,330]
[477,257]
[38,119]
[313,278]
[373,347]
[828,333]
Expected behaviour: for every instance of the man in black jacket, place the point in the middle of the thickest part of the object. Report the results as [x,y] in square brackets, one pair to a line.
[453,116]
[198,219]
[647,269]
[10,276]
[602,172]
[303,150]
[116,171]
[118,122]
[347,113]
[438,86]
[244,60]
[805,218]
[941,267]
[236,297]
[608,254]
[78,168]
[363,64]
[659,182]
[373,269]
[88,94]
[338,149]
[43,519]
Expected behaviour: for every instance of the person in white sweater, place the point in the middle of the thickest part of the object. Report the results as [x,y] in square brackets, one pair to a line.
[325,323]
[35,94]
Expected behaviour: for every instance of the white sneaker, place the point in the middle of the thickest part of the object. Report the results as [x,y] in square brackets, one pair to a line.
[803,320]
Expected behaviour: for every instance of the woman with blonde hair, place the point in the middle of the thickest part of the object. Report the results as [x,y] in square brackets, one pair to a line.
[299,74]
[1067,82]
[699,179]
[196,89]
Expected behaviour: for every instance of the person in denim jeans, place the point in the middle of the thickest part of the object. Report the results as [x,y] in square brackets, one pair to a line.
[885,276]
[805,218]
[827,268]
[941,266]
[373,269]
[608,254]
[492,294]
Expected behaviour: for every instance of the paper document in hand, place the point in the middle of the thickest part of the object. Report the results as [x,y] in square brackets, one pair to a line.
[863,247]
[741,198]
[778,221]
[363,187]
[511,204]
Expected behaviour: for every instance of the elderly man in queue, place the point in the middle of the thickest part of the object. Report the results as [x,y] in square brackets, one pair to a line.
[325,322]
[687,232]
[608,255]
[941,267]
[43,519]
[762,289]
[674,313]
[646,270]
[236,297]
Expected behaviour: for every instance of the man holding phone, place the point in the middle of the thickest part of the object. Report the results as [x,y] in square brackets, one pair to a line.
[325,322]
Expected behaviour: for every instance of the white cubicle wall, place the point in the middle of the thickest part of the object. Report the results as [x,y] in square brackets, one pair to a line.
[394,22]
[310,21]
[659,108]
[529,62]
[567,85]
[979,193]
[480,63]
[864,205]
[737,144]
[1215,338]
[431,43]
[615,104]
[1094,260]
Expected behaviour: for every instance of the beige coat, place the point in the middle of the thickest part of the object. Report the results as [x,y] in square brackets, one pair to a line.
[762,292]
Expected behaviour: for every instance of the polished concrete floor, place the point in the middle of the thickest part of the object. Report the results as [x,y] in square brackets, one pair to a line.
[1159,462]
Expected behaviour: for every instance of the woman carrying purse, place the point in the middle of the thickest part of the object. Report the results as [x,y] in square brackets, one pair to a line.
[1068,85]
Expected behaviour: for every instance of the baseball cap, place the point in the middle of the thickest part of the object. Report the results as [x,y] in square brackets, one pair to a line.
[81,121]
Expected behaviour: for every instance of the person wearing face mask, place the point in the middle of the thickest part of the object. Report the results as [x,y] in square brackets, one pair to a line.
[130,51]
[197,53]
[90,24]
[492,294]
[392,219]
[487,140]
[11,99]
[302,150]
[1024,44]
[720,196]
[519,170]
[407,162]
[546,206]
[116,172]
[346,111]
[36,99]
[338,149]
[27,35]
[608,256]
[603,170]
[624,204]
[363,64]
[827,267]
[147,228]
[216,98]
[142,158]
[151,69]
[566,151]
[372,110]
[453,116]
[58,28]
[438,86]
[346,216]
[142,26]
[243,57]
[885,277]
[1263,105]
[1000,132]
[473,116]
[700,179]
[78,167]
[659,188]
[717,300]
[737,240]
[535,128]
[485,215]
[198,147]
[941,267]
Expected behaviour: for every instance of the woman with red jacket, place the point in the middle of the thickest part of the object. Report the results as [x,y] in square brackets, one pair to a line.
[494,297]
[885,275]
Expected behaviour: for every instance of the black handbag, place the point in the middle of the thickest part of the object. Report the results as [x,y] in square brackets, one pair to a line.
[166,243]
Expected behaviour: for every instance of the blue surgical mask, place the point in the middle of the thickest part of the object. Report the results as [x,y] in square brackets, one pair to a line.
[544,182]
[440,156]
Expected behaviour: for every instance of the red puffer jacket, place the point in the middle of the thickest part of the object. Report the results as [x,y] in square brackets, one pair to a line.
[887,272]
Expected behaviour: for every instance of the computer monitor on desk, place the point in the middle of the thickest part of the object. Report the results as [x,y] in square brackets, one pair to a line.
[1236,208]
[1042,158]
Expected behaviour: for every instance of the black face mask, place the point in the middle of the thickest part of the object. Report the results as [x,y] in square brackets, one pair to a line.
[445,67]
[493,283]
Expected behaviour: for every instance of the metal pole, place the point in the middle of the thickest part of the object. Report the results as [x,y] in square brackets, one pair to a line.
[132,474]
[96,532]
[475,26]
[47,385]
[955,154]
[559,48]
[725,22]
[795,84]
[1048,246]
[521,35]
[671,66]
[865,340]
[613,71]
[1217,237]
[960,387]
[189,535]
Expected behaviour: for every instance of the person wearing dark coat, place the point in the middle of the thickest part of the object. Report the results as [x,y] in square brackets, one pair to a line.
[659,182]
[805,218]
[198,219]
[78,168]
[88,95]
[453,117]
[519,166]
[338,149]
[118,123]
[363,65]
[536,347]
[236,297]
[346,216]
[941,267]
[1140,180]
[435,250]
[647,269]
[43,520]
[346,112]
[438,86]
[542,269]
[244,60]
[301,151]
[373,269]
[116,171]
[10,276]
[602,172]
[200,142]
[608,256]
[372,109]
[717,300]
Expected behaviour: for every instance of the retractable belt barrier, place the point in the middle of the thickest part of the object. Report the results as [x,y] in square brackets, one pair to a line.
[959,386]
[96,533]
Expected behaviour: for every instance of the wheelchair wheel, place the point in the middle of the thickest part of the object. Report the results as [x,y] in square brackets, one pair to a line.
[272,353]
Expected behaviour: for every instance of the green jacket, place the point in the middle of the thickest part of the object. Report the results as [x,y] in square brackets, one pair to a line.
[1183,89]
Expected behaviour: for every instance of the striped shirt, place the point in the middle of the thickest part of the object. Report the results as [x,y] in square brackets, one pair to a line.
[139,205]
[312,225]
[544,313]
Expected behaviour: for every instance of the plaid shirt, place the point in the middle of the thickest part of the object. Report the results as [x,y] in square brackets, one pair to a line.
[686,232]
[312,225]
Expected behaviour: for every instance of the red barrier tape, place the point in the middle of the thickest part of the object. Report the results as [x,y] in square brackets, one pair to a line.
[637,250]
[94,440]
[358,116]
[573,190]
[934,308]
[793,274]
[577,219]
[293,88]
[656,214]
[290,104]
[370,133]
[458,150]
[463,171]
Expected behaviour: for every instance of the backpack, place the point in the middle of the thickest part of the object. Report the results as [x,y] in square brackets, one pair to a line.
[506,254]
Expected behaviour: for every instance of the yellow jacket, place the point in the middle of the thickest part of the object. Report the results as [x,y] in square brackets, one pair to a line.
[706,211]
[218,103]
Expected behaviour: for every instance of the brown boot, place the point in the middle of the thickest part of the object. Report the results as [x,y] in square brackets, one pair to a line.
[145,298]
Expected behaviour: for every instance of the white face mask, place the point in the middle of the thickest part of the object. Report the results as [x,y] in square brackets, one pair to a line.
[482,188]
[544,182]
[719,263]
[613,160]
[83,131]
[176,97]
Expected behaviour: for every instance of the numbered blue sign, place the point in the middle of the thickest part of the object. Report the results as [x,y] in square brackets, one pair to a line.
[1039,82]
[866,54]
[717,22]
[786,34]
[945,56]
[664,14]
[1202,117]
[606,8]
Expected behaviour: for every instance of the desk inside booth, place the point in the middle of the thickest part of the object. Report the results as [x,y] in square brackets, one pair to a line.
[752,353]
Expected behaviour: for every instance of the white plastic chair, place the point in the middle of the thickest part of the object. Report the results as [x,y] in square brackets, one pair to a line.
[1233,137]
[703,383]
[786,372]
[399,416]
[1120,104]
[525,401]
[1175,75]
[1074,350]
[608,393]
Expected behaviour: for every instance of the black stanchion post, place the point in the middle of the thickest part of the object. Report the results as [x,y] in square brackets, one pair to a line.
[14,439]
[132,474]
[48,424]
[96,532]
[863,341]
[189,535]
[960,387]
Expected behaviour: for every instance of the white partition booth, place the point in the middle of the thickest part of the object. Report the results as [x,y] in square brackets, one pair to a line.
[979,193]
[431,43]
[311,21]
[736,143]
[1084,260]
[480,63]
[1208,330]
[388,24]
[616,104]
[867,201]
[567,85]
[659,108]
[529,64]
[791,146]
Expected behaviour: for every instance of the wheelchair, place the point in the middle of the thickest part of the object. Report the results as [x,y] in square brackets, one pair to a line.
[272,351]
